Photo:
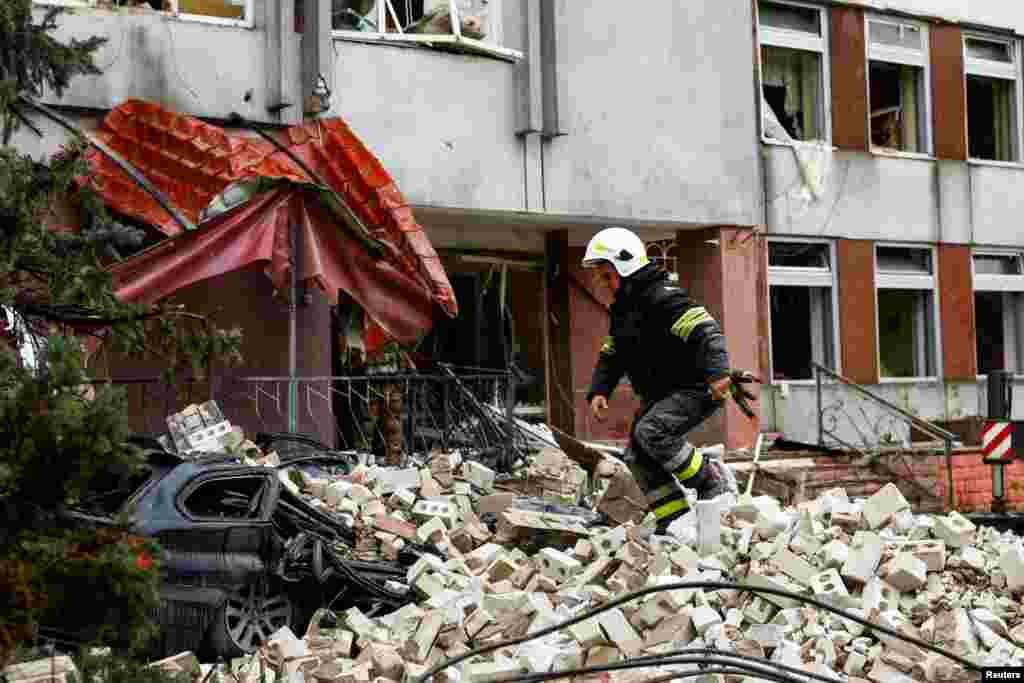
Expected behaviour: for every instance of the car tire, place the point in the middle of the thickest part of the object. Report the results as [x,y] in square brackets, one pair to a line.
[248,617]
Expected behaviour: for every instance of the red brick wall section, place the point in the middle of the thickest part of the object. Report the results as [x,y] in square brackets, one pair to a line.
[972,482]
[849,80]
[857,320]
[956,306]
[590,326]
[950,91]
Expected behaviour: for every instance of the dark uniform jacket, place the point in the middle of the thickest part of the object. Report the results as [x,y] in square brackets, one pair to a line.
[661,339]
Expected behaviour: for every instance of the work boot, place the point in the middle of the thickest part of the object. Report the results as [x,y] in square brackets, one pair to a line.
[711,481]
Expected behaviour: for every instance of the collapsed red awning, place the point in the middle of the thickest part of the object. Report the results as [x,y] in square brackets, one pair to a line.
[192,162]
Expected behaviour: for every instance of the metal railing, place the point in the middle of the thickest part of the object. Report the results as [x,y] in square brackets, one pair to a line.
[469,409]
[855,419]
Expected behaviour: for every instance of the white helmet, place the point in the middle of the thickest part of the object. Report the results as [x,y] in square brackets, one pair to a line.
[619,247]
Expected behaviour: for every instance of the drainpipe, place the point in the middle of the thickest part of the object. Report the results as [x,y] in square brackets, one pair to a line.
[293,316]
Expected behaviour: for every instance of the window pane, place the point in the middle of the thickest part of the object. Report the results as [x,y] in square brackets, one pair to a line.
[225,9]
[801,321]
[997,264]
[803,19]
[898,118]
[904,260]
[898,35]
[792,88]
[988,315]
[906,333]
[986,49]
[798,255]
[354,15]
[991,118]
[235,498]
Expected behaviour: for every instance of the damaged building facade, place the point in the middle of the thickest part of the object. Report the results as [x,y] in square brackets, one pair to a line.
[833,181]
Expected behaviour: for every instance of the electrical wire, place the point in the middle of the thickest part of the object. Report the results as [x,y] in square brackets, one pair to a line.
[691,585]
[708,656]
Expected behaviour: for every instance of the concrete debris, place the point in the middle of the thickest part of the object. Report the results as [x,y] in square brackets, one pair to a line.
[516,555]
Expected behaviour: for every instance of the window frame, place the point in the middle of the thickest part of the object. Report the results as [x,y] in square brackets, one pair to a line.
[1002,284]
[470,45]
[796,276]
[248,22]
[909,281]
[904,56]
[997,70]
[795,40]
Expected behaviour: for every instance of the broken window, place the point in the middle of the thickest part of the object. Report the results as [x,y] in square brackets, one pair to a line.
[906,312]
[468,24]
[992,119]
[233,12]
[800,294]
[897,77]
[226,498]
[792,63]
[999,311]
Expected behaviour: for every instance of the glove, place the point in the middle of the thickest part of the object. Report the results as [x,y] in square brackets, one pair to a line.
[740,394]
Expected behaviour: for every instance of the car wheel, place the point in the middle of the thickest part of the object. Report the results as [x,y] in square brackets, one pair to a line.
[249,617]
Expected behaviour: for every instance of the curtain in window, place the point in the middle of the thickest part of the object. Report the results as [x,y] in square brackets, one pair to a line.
[908,103]
[797,72]
[1001,114]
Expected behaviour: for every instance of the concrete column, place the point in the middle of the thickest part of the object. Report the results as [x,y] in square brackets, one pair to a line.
[558,376]
[720,267]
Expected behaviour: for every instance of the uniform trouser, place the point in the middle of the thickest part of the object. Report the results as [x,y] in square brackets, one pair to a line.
[659,454]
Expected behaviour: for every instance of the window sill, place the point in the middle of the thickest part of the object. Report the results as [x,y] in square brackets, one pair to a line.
[777,383]
[997,164]
[139,11]
[910,380]
[778,143]
[447,42]
[897,154]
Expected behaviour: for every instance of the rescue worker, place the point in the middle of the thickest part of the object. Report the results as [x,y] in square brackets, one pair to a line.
[675,356]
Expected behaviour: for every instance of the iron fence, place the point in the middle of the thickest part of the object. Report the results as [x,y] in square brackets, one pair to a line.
[853,418]
[461,408]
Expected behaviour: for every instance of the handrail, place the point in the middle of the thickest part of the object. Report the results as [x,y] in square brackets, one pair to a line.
[925,426]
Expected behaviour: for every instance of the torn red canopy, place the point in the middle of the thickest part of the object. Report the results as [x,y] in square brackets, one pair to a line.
[192,162]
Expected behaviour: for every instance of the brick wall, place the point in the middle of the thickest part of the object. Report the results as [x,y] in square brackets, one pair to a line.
[921,478]
[972,482]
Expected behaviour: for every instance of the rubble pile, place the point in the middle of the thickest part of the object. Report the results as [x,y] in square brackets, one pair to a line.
[517,555]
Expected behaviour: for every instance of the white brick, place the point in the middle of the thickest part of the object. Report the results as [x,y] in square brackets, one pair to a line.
[907,573]
[709,526]
[974,558]
[834,554]
[479,475]
[883,505]
[610,541]
[773,582]
[878,594]
[336,491]
[864,557]
[426,634]
[483,556]
[955,529]
[557,565]
[445,511]
[619,631]
[392,480]
[358,622]
[493,671]
[828,586]
[766,635]
[793,566]
[403,498]
[587,633]
[703,618]
[429,584]
[432,527]
[1012,564]
[477,621]
[759,610]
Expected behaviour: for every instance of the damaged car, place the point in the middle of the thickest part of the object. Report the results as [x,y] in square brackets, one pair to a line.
[243,552]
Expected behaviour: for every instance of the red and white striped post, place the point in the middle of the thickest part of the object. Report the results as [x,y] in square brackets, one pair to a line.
[997,439]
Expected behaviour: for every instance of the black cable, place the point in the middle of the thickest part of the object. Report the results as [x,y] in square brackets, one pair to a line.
[691,585]
[708,656]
